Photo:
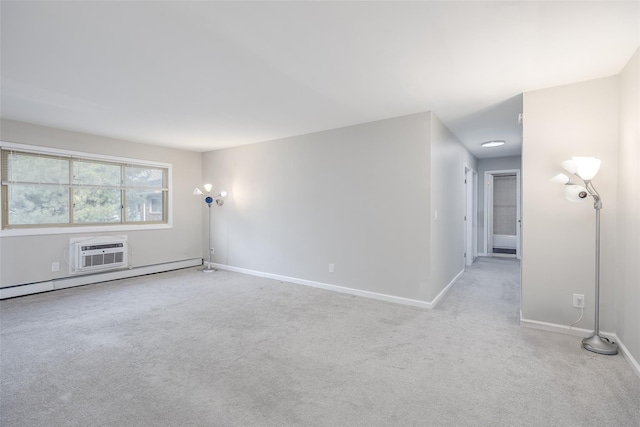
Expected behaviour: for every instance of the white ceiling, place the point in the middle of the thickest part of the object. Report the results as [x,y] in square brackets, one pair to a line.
[207,75]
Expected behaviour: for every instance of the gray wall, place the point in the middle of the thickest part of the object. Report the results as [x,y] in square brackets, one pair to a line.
[448,159]
[558,236]
[19,262]
[498,163]
[628,227]
[357,197]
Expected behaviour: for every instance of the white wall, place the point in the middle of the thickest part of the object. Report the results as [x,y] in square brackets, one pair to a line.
[357,197]
[19,262]
[628,255]
[559,236]
[492,164]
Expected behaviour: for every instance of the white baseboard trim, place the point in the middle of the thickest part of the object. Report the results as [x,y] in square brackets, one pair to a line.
[554,327]
[341,289]
[443,292]
[579,332]
[627,355]
[69,282]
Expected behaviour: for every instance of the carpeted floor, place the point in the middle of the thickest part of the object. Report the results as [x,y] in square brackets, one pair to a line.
[224,349]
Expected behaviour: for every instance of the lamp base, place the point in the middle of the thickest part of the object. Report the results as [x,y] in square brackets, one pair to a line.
[208,269]
[597,344]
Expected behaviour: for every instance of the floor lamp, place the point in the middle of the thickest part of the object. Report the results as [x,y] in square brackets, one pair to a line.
[586,168]
[209,200]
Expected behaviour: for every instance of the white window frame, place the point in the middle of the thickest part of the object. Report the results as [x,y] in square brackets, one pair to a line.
[11,232]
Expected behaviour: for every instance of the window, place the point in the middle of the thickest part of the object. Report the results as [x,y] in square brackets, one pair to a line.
[56,189]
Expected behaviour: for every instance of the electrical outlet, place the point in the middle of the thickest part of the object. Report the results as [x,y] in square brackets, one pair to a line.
[55,266]
[578,300]
[330,268]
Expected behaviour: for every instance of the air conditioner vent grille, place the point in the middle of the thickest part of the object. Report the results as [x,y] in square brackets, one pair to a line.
[100,254]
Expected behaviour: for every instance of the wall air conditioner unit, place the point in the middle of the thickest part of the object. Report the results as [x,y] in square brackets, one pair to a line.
[97,254]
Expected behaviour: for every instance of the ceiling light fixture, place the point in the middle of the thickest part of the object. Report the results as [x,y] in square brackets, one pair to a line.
[494,143]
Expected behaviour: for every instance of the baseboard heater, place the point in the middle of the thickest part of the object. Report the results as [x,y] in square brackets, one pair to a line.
[98,277]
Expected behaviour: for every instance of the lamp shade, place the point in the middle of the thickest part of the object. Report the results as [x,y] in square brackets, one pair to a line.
[223,193]
[197,192]
[587,167]
[570,166]
[560,179]
[207,187]
[575,193]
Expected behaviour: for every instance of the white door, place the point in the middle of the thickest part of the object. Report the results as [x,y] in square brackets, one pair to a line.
[505,220]
[502,212]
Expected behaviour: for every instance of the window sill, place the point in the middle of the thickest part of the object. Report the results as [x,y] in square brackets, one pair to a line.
[75,230]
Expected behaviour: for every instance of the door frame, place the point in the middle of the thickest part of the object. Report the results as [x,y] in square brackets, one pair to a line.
[471,216]
[488,209]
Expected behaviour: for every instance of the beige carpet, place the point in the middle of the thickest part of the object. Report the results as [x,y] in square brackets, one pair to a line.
[224,349]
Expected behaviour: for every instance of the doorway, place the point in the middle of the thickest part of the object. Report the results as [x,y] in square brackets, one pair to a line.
[502,213]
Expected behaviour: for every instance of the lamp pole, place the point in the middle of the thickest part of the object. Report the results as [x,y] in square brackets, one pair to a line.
[595,342]
[209,200]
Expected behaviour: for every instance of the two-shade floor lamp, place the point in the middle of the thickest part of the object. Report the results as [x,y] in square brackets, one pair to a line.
[585,168]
